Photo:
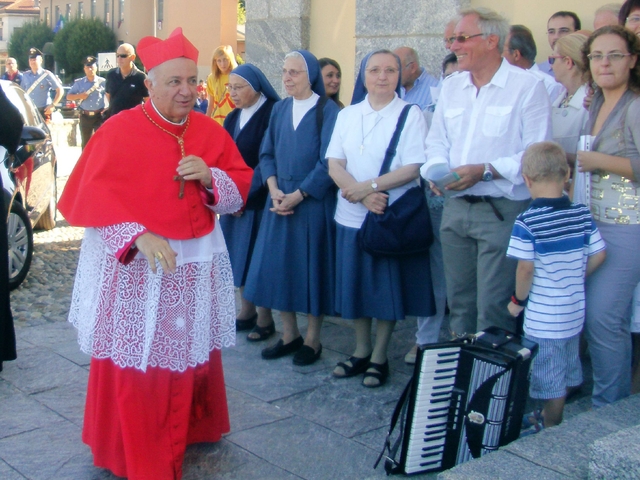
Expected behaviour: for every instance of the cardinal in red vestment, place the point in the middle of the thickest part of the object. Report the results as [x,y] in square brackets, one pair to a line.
[153,299]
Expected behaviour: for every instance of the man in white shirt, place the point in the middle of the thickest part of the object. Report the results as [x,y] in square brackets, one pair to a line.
[560,24]
[416,82]
[487,115]
[520,50]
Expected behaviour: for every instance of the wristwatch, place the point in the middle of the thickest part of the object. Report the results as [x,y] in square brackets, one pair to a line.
[374,185]
[487,176]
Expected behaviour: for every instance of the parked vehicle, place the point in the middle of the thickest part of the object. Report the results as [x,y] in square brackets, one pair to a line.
[29,180]
[68,108]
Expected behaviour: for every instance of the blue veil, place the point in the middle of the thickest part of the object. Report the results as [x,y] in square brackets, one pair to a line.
[254,77]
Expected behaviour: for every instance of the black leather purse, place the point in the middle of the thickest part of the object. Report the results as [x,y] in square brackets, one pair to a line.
[405,226]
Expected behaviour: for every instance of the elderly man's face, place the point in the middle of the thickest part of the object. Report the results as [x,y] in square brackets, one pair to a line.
[559,27]
[470,53]
[172,88]
[11,65]
[124,57]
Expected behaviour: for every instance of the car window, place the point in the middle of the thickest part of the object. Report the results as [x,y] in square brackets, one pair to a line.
[24,105]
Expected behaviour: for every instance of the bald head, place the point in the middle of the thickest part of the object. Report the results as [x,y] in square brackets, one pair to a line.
[410,66]
[125,56]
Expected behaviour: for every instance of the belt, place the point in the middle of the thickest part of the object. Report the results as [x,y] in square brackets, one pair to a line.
[486,199]
[90,113]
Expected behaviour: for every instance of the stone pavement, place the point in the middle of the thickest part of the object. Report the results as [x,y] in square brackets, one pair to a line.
[287,422]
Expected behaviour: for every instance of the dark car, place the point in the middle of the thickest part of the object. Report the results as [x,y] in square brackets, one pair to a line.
[68,108]
[29,180]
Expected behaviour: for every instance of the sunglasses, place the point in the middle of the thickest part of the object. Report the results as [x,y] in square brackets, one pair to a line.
[552,59]
[462,38]
[123,55]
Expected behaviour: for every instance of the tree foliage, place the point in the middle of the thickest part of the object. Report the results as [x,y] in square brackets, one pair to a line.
[33,34]
[78,39]
[242,13]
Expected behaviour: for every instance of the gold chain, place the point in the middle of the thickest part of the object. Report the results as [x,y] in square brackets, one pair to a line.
[179,138]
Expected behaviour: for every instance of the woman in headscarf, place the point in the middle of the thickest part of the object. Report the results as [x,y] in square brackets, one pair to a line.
[292,268]
[387,288]
[220,103]
[254,98]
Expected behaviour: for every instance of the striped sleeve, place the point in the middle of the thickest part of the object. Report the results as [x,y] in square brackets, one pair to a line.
[521,243]
[596,243]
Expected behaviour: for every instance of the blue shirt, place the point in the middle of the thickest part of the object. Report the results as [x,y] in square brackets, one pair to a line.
[420,94]
[558,237]
[95,100]
[40,95]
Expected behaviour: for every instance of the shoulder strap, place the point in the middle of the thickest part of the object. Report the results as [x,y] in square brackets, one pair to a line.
[393,144]
[322,101]
[37,82]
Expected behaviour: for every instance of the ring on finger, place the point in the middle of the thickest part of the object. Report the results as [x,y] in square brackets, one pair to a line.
[158,255]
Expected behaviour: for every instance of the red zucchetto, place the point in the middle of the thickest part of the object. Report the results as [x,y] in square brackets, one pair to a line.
[154,51]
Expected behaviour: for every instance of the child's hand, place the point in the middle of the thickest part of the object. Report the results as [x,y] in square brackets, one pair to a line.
[514,309]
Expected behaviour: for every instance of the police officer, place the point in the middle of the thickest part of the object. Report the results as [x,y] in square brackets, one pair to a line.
[37,82]
[89,90]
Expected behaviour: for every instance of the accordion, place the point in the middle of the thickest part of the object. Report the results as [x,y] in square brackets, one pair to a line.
[465,399]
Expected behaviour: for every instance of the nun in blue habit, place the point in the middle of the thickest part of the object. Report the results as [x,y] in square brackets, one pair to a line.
[292,267]
[254,98]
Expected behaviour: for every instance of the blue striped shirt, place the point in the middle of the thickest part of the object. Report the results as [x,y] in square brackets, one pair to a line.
[558,237]
[420,93]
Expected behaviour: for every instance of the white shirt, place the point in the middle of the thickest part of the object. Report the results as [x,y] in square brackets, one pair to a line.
[493,125]
[568,122]
[301,107]
[247,113]
[360,125]
[554,89]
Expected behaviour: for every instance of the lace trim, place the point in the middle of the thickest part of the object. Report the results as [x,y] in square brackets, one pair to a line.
[120,235]
[229,198]
[139,319]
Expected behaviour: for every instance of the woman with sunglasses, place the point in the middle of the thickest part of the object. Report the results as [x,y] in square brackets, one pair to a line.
[613,164]
[569,117]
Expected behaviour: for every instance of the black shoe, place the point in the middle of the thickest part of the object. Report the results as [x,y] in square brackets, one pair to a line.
[263,332]
[306,355]
[247,324]
[380,372]
[280,349]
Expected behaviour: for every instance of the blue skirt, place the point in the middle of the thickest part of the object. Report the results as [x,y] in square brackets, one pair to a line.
[388,288]
[240,233]
[293,263]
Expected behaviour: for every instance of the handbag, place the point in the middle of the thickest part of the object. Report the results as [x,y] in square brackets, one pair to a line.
[405,226]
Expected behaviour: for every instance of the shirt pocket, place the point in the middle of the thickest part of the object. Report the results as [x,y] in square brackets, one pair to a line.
[453,122]
[496,121]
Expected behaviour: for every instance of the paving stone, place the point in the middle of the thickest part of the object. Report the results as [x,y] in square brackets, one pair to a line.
[21,413]
[611,457]
[345,406]
[38,369]
[8,473]
[67,401]
[268,380]
[246,411]
[42,453]
[227,461]
[308,450]
[500,465]
[49,334]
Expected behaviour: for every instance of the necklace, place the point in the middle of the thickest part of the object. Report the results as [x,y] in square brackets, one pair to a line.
[369,132]
[179,138]
[565,102]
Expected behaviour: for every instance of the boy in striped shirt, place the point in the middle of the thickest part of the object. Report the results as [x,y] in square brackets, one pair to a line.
[557,244]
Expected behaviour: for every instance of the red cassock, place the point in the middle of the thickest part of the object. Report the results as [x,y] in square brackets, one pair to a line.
[156,382]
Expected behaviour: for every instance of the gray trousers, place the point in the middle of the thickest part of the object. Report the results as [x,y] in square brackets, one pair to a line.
[480,278]
[609,292]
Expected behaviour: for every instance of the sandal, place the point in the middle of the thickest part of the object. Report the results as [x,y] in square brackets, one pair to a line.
[358,366]
[246,324]
[263,332]
[380,373]
[526,419]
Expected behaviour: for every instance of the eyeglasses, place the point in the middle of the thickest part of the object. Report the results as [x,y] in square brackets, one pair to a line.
[553,58]
[377,71]
[461,38]
[123,55]
[407,65]
[292,73]
[612,57]
[635,19]
[234,88]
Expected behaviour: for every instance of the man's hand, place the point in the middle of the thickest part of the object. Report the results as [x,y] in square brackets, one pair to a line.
[469,176]
[49,109]
[194,168]
[376,202]
[156,248]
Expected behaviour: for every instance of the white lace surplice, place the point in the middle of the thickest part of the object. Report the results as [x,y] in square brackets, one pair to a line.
[138,318]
